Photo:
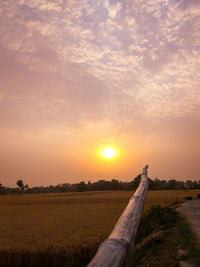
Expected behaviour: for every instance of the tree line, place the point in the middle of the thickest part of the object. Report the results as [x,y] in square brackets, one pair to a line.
[101,185]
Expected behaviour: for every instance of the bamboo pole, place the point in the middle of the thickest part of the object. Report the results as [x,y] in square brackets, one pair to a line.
[116,250]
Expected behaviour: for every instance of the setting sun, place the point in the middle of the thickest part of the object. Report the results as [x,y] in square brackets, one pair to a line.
[108,152]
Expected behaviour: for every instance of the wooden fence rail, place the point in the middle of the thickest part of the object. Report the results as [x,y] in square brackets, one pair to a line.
[116,250]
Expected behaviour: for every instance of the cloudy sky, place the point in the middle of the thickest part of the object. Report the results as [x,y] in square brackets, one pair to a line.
[78,75]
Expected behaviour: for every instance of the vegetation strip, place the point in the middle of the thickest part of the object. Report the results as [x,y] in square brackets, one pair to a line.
[165,239]
[114,184]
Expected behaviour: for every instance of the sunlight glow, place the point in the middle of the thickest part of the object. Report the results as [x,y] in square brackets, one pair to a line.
[108,152]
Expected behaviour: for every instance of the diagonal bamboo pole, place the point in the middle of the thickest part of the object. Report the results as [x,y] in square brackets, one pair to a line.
[116,250]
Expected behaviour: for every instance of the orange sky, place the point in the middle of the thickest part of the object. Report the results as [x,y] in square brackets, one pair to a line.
[78,75]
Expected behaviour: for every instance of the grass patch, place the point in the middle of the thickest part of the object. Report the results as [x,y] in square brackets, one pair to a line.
[174,242]
[188,240]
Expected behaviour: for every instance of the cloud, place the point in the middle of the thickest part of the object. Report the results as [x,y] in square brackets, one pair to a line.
[34,98]
[154,63]
[192,5]
[83,72]
[114,9]
[109,43]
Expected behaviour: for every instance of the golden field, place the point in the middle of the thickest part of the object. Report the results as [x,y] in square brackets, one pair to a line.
[67,221]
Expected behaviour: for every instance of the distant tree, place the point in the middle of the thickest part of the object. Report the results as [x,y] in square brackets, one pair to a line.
[195,185]
[189,184]
[114,184]
[154,184]
[51,188]
[151,184]
[163,184]
[64,188]
[136,181]
[89,185]
[81,187]
[101,185]
[26,186]
[172,184]
[180,185]
[21,185]
[1,189]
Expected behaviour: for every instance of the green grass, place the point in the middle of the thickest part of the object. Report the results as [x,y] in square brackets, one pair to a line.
[65,226]
[176,235]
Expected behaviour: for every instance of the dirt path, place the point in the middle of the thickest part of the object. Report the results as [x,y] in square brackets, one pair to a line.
[191,210]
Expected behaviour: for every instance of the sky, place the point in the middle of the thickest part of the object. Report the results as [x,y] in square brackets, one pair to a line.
[80,75]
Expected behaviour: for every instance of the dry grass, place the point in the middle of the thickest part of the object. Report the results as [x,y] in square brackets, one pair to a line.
[67,221]
[166,197]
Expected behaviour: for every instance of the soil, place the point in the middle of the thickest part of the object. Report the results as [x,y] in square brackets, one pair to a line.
[191,209]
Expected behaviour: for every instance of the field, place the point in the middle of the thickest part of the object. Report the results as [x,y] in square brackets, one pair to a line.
[69,224]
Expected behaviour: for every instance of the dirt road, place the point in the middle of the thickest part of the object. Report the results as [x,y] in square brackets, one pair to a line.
[191,209]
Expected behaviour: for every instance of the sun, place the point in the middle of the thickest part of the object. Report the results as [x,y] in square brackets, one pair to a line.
[108,152]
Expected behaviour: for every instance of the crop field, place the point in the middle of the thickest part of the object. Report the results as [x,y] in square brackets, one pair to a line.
[46,229]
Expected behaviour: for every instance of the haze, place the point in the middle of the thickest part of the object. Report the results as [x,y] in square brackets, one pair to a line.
[77,75]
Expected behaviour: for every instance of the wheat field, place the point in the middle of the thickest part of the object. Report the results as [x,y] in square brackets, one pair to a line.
[43,229]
